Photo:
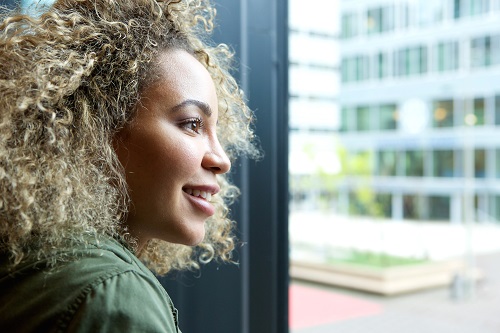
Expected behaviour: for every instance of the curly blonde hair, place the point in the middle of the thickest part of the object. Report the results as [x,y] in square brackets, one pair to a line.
[69,81]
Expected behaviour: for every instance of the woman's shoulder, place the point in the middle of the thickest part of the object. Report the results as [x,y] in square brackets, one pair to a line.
[100,283]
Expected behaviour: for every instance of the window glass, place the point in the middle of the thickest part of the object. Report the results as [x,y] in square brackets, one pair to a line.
[387,115]
[443,113]
[478,115]
[411,61]
[414,207]
[439,208]
[414,163]
[363,121]
[481,52]
[447,56]
[349,27]
[443,163]
[480,163]
[387,163]
[497,110]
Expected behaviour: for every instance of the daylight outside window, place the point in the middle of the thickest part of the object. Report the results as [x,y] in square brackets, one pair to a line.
[394,152]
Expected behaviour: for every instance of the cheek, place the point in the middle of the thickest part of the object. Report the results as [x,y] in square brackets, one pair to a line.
[180,158]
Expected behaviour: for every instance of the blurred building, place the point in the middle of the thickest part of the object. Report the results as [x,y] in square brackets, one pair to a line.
[314,82]
[420,109]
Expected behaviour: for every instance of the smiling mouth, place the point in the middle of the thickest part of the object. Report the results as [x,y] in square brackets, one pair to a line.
[200,194]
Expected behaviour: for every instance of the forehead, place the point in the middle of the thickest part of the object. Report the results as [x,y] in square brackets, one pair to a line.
[181,76]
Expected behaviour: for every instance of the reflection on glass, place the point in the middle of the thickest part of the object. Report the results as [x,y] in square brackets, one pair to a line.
[479,111]
[443,114]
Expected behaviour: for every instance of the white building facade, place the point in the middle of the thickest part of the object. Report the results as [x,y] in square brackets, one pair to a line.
[420,106]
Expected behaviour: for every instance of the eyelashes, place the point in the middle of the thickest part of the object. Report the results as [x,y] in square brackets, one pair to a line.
[194,124]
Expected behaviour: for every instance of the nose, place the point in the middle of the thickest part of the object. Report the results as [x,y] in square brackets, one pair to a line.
[216,159]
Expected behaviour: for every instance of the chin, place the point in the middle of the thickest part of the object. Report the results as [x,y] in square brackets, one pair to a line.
[194,238]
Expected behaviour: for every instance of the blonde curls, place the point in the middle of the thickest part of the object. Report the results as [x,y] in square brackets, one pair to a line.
[69,81]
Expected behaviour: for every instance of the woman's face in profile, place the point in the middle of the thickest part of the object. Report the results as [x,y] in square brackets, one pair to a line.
[171,154]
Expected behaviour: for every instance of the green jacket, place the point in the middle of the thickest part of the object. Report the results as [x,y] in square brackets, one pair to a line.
[105,289]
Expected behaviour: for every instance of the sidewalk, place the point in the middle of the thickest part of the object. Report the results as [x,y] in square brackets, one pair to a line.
[323,309]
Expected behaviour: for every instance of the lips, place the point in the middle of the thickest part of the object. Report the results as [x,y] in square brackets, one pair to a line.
[200,198]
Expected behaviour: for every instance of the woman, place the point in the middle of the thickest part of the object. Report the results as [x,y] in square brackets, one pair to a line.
[118,125]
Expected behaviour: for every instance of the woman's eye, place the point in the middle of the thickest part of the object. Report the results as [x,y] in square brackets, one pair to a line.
[193,125]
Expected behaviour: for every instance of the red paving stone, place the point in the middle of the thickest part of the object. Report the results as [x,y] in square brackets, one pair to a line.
[312,307]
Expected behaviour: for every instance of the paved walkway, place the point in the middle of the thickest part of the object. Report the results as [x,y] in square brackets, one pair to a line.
[322,309]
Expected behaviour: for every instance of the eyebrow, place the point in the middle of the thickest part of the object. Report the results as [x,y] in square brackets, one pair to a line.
[201,105]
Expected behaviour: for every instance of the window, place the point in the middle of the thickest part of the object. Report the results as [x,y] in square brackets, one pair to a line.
[379,20]
[411,61]
[478,115]
[470,8]
[387,117]
[355,68]
[480,163]
[414,207]
[494,208]
[345,118]
[430,12]
[446,56]
[443,163]
[439,208]
[481,52]
[363,122]
[381,65]
[414,163]
[387,163]
[497,110]
[349,27]
[383,203]
[443,113]
[497,163]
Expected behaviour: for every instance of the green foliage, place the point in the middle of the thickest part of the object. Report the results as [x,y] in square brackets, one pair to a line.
[373,259]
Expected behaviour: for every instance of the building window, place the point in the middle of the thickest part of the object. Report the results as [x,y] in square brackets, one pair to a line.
[414,207]
[381,65]
[387,163]
[349,25]
[497,110]
[480,163]
[443,163]
[379,20]
[481,52]
[443,113]
[345,118]
[414,163]
[355,69]
[430,12]
[439,208]
[470,8]
[494,207]
[363,122]
[497,163]
[387,116]
[447,56]
[384,204]
[411,61]
[478,115]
